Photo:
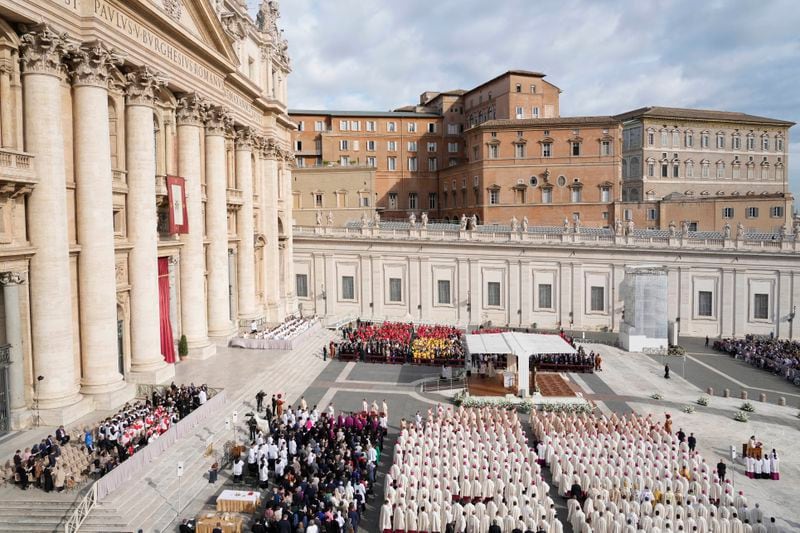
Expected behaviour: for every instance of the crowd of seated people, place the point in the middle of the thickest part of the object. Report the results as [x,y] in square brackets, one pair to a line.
[290,328]
[589,362]
[779,356]
[55,462]
[318,467]
[629,473]
[400,342]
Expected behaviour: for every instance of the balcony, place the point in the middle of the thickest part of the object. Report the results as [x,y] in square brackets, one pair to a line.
[235,198]
[17,175]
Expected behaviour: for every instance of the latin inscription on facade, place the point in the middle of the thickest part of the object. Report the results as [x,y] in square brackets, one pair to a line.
[114,17]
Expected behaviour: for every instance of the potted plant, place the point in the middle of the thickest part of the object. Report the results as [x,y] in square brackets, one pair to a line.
[183,347]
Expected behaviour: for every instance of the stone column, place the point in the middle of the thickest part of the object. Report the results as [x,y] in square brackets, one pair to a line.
[147,362]
[288,289]
[6,106]
[92,66]
[193,259]
[218,122]
[269,214]
[16,374]
[51,294]
[244,226]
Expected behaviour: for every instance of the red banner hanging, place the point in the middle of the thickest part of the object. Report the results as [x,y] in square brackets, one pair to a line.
[176,194]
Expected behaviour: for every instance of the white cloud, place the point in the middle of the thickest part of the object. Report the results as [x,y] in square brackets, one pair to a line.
[608,56]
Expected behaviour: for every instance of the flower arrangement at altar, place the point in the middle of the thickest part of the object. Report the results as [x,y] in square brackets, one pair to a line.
[703,400]
[741,416]
[657,396]
[688,409]
[748,407]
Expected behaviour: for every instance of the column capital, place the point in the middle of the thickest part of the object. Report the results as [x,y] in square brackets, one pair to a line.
[269,148]
[218,120]
[43,50]
[142,85]
[246,139]
[12,278]
[93,64]
[190,110]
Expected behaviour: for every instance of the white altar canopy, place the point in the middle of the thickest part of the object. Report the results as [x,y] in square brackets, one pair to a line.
[521,346]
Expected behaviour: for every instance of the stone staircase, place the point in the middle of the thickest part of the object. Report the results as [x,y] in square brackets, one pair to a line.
[151,502]
[49,516]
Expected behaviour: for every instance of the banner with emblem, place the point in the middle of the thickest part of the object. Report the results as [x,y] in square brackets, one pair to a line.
[176,194]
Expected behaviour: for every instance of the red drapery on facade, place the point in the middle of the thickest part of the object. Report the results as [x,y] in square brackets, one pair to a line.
[167,344]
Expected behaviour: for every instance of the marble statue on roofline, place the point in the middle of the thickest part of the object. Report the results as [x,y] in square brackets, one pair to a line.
[463,221]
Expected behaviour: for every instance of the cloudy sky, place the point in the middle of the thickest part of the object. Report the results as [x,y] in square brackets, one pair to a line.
[607,56]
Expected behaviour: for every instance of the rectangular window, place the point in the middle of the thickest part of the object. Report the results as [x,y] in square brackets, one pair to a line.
[737,142]
[412,127]
[494,197]
[533,89]
[779,145]
[452,148]
[545,296]
[751,142]
[372,161]
[605,194]
[412,164]
[298,146]
[520,112]
[651,170]
[704,303]
[344,144]
[412,200]
[605,148]
[494,150]
[391,163]
[727,212]
[452,129]
[575,195]
[301,285]
[765,143]
[705,170]
[431,147]
[761,306]
[370,125]
[318,200]
[576,149]
[547,149]
[391,127]
[651,138]
[433,164]
[431,127]
[355,125]
[493,293]
[391,146]
[348,288]
[343,125]
[598,299]
[688,140]
[664,139]
[412,146]
[518,88]
[370,146]
[431,200]
[776,211]
[392,200]
[319,126]
[395,290]
[547,196]
[704,140]
[535,112]
[752,212]
[519,151]
[443,290]
[344,161]
[652,214]
[720,141]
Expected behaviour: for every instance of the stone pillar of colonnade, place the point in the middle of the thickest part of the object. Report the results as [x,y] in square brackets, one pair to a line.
[272,286]
[147,362]
[56,395]
[246,279]
[218,122]
[194,318]
[288,290]
[19,412]
[92,66]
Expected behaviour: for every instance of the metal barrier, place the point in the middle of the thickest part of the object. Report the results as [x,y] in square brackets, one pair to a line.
[82,511]
[444,384]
